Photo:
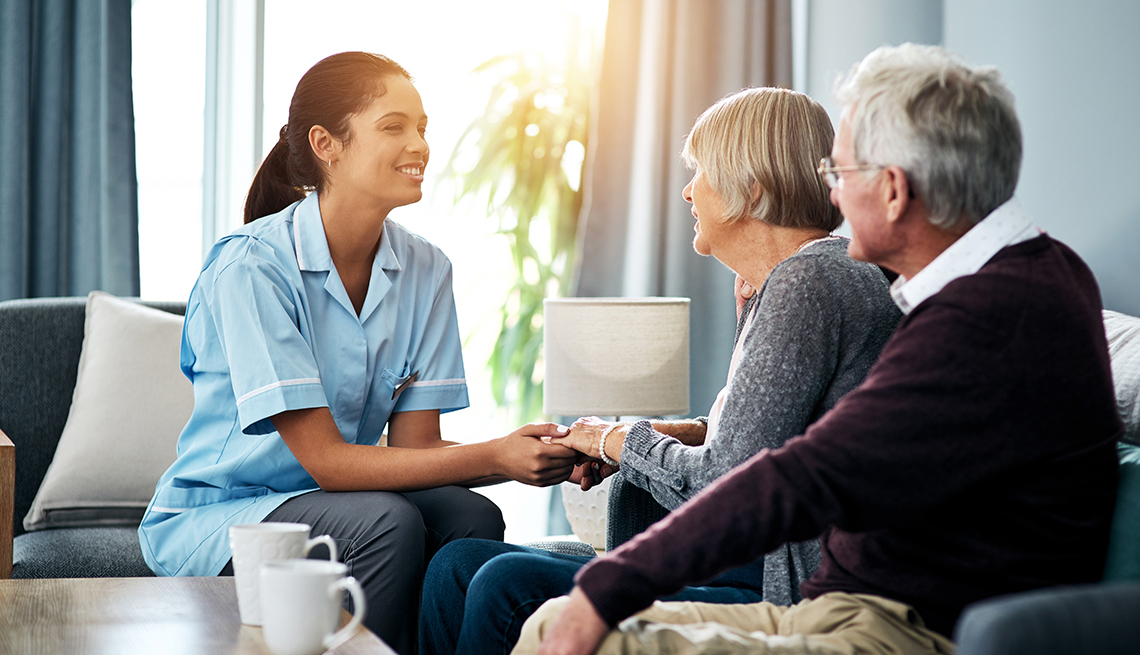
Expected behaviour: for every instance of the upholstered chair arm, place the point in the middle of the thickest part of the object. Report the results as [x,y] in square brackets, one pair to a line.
[7,502]
[630,511]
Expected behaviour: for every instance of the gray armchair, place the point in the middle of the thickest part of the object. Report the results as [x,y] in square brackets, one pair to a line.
[40,344]
[629,510]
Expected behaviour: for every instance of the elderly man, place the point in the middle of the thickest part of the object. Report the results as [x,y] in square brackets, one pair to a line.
[977,458]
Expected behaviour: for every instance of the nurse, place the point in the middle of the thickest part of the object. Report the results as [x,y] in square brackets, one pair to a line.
[312,328]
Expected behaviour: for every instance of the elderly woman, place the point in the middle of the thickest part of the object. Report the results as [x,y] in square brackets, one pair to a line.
[815,327]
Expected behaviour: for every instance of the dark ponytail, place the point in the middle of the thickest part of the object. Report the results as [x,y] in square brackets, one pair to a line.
[271,191]
[330,92]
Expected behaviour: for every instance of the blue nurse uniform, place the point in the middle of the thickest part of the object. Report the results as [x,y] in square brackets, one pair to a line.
[269,328]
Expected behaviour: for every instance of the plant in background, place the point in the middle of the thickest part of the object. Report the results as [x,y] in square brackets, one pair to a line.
[529,146]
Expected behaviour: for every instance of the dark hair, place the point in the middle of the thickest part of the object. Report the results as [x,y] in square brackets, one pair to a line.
[330,92]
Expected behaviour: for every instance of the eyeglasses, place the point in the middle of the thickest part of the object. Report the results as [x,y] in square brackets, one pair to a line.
[831,172]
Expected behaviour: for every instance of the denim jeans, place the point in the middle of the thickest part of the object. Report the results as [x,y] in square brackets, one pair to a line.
[478,593]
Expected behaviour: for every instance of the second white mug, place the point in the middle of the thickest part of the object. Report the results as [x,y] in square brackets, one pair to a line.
[253,544]
[300,606]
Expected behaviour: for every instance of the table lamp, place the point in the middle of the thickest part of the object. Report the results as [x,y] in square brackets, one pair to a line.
[612,357]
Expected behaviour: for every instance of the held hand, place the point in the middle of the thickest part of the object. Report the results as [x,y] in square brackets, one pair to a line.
[584,435]
[605,471]
[579,630]
[591,474]
[742,291]
[525,456]
[585,475]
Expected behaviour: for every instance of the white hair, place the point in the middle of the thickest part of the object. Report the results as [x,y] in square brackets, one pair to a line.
[950,126]
[769,137]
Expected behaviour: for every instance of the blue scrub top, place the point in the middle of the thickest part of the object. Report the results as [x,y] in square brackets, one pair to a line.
[270,328]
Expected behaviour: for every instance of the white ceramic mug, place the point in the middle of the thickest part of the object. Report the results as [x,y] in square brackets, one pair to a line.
[254,543]
[300,606]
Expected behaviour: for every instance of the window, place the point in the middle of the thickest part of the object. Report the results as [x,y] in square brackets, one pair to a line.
[169,56]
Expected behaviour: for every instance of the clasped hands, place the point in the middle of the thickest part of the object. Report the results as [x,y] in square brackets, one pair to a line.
[584,437]
[530,458]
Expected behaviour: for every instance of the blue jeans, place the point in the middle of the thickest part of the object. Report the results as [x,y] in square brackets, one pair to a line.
[478,593]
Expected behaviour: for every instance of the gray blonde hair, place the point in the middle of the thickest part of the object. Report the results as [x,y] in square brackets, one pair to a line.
[950,126]
[769,137]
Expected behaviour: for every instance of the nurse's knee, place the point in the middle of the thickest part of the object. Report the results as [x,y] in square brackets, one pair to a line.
[398,527]
[478,517]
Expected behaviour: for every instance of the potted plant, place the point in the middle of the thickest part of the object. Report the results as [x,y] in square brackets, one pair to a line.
[529,146]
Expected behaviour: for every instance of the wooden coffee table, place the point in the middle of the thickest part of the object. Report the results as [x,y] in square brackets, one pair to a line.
[194,616]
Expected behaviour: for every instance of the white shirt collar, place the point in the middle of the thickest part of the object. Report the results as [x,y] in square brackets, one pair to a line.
[1005,226]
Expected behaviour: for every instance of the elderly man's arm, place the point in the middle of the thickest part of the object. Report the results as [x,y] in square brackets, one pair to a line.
[874,461]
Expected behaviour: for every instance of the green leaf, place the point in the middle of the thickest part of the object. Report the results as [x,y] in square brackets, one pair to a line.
[530,198]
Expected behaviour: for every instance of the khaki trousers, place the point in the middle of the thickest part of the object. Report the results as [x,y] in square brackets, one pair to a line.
[830,624]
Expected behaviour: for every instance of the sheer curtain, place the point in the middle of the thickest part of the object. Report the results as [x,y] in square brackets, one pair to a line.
[68,191]
[664,62]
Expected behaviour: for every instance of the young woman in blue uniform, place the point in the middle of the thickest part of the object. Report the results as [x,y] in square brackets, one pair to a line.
[312,329]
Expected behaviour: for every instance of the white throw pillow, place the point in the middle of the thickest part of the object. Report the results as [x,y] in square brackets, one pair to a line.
[131,402]
[1123,332]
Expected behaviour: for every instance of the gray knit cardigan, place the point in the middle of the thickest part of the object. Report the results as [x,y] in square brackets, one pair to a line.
[820,321]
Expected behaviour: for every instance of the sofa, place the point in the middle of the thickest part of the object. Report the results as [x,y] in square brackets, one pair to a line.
[42,356]
[48,365]
[1097,619]
[41,343]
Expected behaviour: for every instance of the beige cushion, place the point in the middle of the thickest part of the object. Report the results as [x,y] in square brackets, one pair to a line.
[130,403]
[1123,334]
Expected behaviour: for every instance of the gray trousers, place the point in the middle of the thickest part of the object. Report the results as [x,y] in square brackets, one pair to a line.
[387,539]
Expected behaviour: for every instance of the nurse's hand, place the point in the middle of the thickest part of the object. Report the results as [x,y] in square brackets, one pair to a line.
[525,457]
[591,473]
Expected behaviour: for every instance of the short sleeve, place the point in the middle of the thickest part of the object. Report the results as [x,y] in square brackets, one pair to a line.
[437,360]
[257,316]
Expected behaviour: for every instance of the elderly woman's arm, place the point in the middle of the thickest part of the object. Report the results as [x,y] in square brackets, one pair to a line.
[788,360]
[586,434]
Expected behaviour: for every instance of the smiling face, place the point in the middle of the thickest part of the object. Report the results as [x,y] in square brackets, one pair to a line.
[386,154]
[711,227]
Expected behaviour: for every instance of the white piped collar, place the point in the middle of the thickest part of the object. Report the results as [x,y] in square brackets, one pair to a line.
[312,247]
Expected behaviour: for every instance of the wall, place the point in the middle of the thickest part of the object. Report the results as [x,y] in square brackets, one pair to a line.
[1074,71]
[842,32]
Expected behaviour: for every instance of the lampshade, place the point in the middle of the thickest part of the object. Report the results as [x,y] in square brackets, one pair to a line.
[616,356]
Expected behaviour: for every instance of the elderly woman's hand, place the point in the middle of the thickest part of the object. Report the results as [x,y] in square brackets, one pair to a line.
[584,435]
[743,291]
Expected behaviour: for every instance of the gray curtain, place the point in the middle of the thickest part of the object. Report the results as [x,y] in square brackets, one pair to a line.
[666,61]
[68,190]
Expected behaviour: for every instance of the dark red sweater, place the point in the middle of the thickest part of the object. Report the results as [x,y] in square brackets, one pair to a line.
[977,459]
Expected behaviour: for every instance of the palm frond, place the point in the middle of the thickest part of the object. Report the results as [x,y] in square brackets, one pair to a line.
[534,110]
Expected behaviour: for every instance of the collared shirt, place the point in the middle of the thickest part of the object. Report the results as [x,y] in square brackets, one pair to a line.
[270,328]
[1005,226]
